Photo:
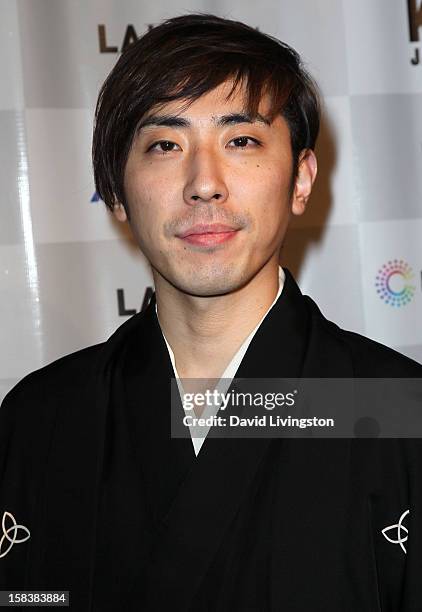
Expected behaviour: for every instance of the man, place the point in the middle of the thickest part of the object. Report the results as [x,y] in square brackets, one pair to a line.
[203,141]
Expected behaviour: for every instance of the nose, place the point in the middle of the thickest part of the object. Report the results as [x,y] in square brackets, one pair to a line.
[205,181]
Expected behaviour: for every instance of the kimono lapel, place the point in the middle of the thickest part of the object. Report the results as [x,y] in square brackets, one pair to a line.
[162,461]
[140,469]
[216,484]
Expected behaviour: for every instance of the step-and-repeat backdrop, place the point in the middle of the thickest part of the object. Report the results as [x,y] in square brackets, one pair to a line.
[70,275]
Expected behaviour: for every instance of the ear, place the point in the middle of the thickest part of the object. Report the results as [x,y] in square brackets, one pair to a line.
[306,174]
[119,211]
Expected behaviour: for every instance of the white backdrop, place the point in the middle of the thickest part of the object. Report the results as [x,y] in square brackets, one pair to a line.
[69,275]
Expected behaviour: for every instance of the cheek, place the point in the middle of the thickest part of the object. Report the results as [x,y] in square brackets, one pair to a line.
[265,188]
[150,202]
[265,195]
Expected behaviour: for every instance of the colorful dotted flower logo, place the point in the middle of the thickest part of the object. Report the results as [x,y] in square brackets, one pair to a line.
[393,283]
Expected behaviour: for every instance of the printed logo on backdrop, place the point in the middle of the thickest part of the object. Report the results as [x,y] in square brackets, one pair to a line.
[107,46]
[394,283]
[124,311]
[414,8]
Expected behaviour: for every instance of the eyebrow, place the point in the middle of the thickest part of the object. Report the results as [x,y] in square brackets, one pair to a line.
[220,121]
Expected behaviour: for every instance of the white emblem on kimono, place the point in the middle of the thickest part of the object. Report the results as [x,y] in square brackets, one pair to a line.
[14,529]
[400,530]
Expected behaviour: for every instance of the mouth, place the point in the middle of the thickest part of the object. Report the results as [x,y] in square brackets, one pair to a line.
[208,234]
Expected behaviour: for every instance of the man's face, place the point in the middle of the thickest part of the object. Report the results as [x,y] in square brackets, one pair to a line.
[206,165]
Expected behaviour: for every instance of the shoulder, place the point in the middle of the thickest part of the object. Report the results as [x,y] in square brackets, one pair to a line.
[72,375]
[60,378]
[370,358]
[68,380]
[41,402]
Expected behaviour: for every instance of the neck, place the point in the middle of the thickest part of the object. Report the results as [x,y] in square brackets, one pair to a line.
[205,332]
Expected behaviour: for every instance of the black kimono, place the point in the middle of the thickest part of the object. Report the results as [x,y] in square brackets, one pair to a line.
[127,518]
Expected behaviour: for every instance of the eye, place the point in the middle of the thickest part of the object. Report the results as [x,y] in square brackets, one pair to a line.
[242,142]
[163,146]
[167,146]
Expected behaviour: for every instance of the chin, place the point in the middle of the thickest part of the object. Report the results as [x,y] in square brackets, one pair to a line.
[206,285]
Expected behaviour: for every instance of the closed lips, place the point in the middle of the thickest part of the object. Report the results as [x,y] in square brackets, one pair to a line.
[217,228]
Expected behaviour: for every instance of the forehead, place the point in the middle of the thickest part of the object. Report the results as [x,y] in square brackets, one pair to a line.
[223,99]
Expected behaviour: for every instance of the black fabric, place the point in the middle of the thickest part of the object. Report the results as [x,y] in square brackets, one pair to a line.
[127,518]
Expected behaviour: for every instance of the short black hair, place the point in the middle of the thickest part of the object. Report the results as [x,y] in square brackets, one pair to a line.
[184,58]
